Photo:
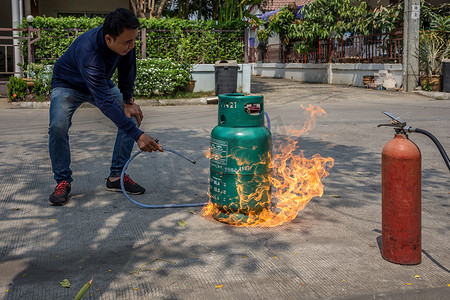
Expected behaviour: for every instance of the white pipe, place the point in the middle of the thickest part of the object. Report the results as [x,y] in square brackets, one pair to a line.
[17,14]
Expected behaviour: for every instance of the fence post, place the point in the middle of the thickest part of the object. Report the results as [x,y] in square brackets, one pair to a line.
[246,45]
[144,43]
[29,45]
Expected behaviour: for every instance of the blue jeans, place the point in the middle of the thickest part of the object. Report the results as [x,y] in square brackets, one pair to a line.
[63,104]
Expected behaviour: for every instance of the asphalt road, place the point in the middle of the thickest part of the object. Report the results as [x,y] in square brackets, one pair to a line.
[330,250]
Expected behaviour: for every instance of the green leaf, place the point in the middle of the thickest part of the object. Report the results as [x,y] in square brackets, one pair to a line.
[65,283]
[181,223]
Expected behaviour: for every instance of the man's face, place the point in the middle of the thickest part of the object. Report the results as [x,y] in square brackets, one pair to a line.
[124,42]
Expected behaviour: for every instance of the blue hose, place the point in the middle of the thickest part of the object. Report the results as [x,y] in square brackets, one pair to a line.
[155,206]
[166,205]
[268,120]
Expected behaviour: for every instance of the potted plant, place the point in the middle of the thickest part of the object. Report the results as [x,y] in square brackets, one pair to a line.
[17,89]
[190,86]
[433,49]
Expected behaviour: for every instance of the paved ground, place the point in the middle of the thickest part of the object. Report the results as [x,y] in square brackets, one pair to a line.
[331,250]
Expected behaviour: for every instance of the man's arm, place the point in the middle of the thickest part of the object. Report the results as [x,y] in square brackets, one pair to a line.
[147,143]
[98,86]
[93,72]
[126,74]
[126,71]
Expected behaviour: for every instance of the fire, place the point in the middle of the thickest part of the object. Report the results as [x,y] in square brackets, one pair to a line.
[294,181]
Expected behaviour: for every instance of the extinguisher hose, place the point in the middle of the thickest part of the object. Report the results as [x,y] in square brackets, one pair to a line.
[436,142]
[155,206]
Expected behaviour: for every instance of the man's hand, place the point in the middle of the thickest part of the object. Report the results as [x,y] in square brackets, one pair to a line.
[133,110]
[147,143]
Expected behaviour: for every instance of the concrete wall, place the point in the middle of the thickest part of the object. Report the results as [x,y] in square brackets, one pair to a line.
[50,8]
[349,74]
[5,14]
[204,74]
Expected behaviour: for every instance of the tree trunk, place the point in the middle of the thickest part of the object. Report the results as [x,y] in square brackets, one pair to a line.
[186,10]
[151,8]
[160,9]
[136,9]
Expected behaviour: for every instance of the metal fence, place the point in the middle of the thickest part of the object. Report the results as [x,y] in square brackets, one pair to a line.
[206,45]
[9,45]
[377,48]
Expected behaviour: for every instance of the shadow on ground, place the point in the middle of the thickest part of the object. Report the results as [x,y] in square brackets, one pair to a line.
[102,235]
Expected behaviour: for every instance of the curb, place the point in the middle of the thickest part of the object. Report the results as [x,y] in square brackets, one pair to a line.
[149,102]
[435,95]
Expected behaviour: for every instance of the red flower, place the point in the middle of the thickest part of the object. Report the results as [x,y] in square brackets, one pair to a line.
[14,95]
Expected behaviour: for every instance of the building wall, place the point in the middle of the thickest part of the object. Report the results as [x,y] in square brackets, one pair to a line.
[5,14]
[51,8]
[376,3]
[347,74]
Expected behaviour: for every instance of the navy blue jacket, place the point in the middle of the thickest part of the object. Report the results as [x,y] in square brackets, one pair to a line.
[87,66]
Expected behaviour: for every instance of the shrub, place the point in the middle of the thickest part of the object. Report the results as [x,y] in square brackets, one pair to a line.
[41,75]
[159,76]
[17,88]
[186,40]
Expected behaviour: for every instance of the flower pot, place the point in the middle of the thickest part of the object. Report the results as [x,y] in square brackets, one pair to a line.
[434,82]
[30,84]
[367,79]
[190,86]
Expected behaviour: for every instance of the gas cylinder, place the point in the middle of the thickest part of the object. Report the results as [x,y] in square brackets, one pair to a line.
[401,201]
[240,162]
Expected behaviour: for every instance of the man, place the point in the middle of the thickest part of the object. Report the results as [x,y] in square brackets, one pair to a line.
[83,74]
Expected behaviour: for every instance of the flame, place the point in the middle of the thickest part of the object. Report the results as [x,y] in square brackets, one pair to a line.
[295,179]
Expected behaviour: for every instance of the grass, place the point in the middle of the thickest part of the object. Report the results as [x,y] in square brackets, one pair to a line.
[176,95]
[179,95]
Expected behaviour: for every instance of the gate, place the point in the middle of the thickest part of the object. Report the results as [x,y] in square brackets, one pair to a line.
[8,47]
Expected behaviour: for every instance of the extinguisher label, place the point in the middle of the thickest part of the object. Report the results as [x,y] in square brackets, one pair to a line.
[219,152]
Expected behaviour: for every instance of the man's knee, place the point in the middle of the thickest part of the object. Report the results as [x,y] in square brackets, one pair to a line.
[58,127]
[117,95]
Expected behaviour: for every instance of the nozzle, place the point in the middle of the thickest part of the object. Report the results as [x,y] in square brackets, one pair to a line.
[177,153]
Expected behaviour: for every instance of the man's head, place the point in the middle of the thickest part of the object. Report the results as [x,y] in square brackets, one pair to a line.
[120,30]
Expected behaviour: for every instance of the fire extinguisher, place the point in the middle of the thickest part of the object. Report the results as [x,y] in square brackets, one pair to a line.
[401,194]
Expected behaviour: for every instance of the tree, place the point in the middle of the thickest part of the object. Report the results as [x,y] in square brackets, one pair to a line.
[152,8]
[220,10]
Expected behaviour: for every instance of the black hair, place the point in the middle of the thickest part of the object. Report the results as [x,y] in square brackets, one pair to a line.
[119,20]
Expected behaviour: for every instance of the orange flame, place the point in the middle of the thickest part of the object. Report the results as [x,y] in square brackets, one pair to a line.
[295,180]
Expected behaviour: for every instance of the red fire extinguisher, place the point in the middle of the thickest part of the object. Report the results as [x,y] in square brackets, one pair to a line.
[401,194]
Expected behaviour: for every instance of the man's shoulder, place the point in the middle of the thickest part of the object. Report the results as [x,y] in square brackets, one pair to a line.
[90,38]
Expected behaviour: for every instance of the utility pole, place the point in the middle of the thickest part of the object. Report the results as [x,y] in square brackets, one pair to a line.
[411,25]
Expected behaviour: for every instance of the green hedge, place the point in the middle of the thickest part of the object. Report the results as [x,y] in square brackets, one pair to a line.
[182,40]
[154,76]
[159,76]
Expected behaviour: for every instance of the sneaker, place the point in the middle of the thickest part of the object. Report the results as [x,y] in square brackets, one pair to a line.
[130,186]
[60,196]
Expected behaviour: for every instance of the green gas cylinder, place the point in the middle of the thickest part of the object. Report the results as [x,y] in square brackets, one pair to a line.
[240,162]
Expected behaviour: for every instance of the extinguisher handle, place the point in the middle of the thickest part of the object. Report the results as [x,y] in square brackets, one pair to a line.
[394,119]
[389,125]
[399,125]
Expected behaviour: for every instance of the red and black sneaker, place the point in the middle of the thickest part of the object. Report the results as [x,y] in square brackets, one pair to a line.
[60,196]
[131,187]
